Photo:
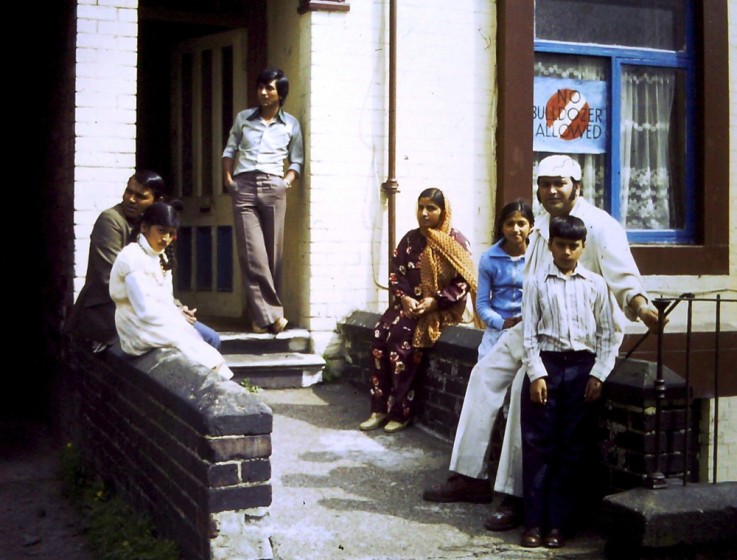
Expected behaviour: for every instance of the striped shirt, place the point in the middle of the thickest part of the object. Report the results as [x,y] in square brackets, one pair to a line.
[564,313]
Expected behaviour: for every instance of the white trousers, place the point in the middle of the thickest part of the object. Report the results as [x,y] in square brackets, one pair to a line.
[487,388]
[509,471]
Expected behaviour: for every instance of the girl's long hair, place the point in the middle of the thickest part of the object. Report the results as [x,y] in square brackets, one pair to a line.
[165,214]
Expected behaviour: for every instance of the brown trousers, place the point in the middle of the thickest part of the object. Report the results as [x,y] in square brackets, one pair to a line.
[259,207]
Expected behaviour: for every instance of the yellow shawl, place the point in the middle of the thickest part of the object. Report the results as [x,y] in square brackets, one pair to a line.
[442,260]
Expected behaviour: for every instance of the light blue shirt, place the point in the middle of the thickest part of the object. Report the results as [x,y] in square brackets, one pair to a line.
[257,146]
[499,294]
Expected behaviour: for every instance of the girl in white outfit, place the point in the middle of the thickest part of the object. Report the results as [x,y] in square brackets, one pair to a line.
[146,315]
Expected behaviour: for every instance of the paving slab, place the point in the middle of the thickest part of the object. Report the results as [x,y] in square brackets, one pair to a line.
[343,494]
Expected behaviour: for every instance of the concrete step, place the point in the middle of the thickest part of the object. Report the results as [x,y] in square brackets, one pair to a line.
[291,340]
[277,370]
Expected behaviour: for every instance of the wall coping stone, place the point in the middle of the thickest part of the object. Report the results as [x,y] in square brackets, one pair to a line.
[212,405]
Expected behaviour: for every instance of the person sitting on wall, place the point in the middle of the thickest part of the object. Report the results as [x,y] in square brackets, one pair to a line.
[559,190]
[431,277]
[93,316]
[146,313]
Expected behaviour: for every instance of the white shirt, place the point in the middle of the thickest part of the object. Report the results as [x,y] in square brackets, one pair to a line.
[607,253]
[146,315]
[564,313]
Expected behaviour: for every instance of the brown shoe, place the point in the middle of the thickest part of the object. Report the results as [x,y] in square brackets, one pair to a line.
[258,329]
[278,326]
[531,538]
[554,539]
[460,488]
[507,516]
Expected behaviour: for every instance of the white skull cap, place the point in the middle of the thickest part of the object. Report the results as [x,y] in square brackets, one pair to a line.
[559,166]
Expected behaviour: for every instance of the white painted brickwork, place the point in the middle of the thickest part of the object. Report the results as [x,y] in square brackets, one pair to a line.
[242,534]
[445,92]
[727,466]
[105,114]
[733,138]
[726,441]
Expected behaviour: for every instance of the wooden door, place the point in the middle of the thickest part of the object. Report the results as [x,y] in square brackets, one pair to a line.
[208,87]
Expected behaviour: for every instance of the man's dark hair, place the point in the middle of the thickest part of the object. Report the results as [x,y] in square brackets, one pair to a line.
[268,75]
[151,180]
[567,227]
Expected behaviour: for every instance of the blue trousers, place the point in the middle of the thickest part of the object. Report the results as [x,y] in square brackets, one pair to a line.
[553,440]
[209,335]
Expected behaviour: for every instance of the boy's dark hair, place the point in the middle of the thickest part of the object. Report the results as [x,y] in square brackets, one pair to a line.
[268,75]
[567,227]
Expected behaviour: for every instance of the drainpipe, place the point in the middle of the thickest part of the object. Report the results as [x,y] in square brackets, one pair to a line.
[391,186]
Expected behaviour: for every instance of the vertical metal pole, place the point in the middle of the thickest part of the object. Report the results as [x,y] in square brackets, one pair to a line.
[390,186]
[656,478]
[715,453]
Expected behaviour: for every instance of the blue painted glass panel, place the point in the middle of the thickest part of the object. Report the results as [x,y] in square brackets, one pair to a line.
[225,259]
[183,269]
[203,273]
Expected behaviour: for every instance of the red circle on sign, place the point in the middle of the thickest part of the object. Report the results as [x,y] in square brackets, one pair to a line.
[567,111]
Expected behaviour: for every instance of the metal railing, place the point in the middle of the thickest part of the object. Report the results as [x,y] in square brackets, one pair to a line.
[665,306]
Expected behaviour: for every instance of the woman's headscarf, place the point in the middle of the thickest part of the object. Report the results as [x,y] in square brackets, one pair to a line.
[441,261]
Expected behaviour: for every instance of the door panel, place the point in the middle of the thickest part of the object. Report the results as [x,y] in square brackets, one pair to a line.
[208,86]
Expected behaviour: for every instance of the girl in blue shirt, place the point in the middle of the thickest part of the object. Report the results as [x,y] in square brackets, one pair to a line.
[499,296]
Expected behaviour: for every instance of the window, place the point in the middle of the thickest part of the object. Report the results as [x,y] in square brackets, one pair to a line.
[613,88]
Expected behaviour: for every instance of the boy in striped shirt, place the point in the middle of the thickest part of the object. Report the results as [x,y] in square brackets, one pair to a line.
[570,348]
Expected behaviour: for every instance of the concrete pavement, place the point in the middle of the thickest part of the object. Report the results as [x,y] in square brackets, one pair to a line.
[343,494]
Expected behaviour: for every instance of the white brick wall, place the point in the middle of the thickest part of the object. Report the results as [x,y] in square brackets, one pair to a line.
[733,137]
[726,441]
[444,123]
[105,114]
[727,466]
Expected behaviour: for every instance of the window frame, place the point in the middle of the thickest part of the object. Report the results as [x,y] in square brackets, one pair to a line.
[709,254]
[617,58]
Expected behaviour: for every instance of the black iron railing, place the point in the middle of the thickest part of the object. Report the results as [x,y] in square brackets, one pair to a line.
[656,479]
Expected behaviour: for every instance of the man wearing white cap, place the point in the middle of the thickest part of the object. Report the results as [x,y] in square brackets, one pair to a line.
[608,254]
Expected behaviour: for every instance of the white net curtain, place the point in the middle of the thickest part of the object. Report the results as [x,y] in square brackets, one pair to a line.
[647,105]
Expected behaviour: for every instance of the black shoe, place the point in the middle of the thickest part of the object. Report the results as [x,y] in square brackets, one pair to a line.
[507,516]
[531,538]
[554,539]
[460,488]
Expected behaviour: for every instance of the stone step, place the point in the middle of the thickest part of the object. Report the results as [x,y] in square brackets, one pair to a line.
[291,340]
[277,370]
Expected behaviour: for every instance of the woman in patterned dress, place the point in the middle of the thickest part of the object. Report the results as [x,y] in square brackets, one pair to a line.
[431,277]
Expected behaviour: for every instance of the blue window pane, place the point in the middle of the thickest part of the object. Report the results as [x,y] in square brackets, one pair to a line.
[204,259]
[183,269]
[225,259]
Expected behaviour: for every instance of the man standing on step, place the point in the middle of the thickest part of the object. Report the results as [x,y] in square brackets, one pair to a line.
[607,253]
[261,140]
